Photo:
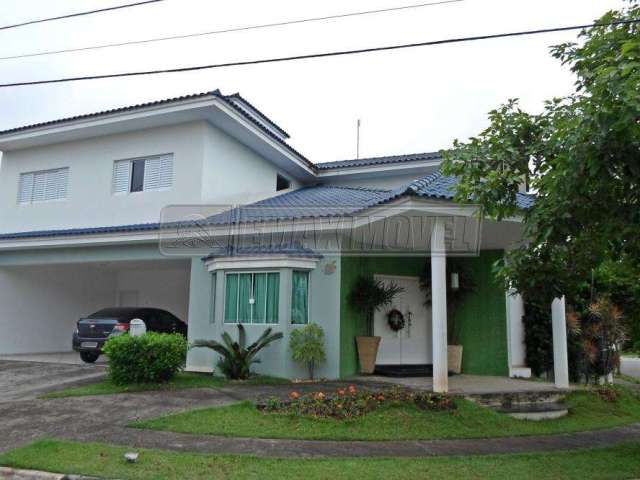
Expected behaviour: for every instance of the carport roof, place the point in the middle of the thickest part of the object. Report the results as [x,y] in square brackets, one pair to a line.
[317,201]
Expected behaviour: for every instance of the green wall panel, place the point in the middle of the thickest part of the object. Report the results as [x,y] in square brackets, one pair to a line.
[482,321]
[482,316]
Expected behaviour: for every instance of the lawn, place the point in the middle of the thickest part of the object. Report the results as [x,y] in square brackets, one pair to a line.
[587,412]
[107,461]
[181,381]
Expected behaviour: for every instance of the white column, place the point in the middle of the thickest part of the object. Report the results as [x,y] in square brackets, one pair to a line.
[515,332]
[439,307]
[560,357]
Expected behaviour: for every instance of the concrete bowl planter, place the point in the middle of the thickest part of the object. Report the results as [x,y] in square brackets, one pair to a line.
[454,358]
[367,353]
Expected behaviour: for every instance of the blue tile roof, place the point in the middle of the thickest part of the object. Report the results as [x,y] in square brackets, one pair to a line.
[308,202]
[317,201]
[437,185]
[365,162]
[227,99]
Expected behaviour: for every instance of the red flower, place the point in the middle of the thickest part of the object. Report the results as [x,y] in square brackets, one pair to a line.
[341,392]
[352,390]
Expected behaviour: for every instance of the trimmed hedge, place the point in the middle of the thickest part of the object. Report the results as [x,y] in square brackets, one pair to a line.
[149,358]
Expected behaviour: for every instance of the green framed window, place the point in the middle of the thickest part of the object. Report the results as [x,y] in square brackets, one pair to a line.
[252,297]
[300,298]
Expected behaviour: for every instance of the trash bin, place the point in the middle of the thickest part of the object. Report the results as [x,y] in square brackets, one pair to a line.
[137,327]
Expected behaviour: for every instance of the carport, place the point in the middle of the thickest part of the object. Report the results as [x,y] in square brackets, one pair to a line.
[41,302]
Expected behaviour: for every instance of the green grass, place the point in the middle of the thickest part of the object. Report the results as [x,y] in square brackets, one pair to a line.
[181,381]
[587,412]
[107,461]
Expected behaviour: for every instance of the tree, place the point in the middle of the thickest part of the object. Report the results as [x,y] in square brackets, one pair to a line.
[581,156]
[307,346]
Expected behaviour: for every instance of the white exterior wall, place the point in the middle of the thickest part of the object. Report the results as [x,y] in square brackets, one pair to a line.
[385,181]
[39,306]
[209,167]
[233,173]
[206,312]
[158,287]
[90,201]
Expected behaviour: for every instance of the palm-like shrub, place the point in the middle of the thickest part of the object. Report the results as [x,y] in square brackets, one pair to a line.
[236,358]
[369,295]
[307,346]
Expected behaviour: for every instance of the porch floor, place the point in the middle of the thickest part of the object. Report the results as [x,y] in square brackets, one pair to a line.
[467,384]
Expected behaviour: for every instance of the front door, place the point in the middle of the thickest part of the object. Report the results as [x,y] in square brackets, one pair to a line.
[412,344]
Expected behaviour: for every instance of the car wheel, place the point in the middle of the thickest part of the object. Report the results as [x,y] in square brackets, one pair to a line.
[89,357]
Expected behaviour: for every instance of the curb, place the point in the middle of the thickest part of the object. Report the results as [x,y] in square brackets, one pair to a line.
[18,474]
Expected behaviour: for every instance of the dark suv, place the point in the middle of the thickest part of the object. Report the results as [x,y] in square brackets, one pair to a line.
[93,331]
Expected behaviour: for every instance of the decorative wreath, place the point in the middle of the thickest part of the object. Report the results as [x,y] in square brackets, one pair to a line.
[396,320]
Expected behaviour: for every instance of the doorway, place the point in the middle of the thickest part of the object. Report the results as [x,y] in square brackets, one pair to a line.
[410,345]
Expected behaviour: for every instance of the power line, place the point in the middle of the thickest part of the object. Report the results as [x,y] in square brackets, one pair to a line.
[78,14]
[320,55]
[229,30]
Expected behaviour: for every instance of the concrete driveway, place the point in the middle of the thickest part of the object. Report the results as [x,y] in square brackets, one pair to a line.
[23,380]
[69,358]
[630,366]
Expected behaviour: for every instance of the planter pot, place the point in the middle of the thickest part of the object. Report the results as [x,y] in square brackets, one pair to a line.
[367,353]
[454,358]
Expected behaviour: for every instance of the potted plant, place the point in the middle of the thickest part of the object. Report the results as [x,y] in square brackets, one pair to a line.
[459,284]
[367,296]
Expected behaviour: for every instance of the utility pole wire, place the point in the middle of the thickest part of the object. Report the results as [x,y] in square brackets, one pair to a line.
[78,14]
[319,55]
[229,30]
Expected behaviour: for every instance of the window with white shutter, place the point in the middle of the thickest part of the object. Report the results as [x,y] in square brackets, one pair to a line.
[43,186]
[143,174]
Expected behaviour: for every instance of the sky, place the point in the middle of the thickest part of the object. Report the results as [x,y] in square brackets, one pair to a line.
[409,101]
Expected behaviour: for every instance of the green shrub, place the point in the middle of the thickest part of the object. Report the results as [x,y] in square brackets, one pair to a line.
[150,358]
[307,346]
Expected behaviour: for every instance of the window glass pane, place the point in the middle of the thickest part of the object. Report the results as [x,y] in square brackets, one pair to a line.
[137,175]
[282,183]
[273,295]
[231,299]
[244,294]
[260,297]
[299,298]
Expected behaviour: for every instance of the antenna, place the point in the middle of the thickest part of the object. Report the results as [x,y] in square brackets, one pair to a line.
[358,140]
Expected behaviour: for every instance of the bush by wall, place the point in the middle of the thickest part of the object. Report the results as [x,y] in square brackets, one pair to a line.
[150,358]
[538,339]
[307,346]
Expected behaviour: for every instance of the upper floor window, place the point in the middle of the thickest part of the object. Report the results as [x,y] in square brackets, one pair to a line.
[282,183]
[143,174]
[43,185]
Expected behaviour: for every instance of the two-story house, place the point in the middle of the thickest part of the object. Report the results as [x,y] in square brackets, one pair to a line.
[198,205]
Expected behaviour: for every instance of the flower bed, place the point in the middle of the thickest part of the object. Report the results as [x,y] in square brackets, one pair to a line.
[346,403]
